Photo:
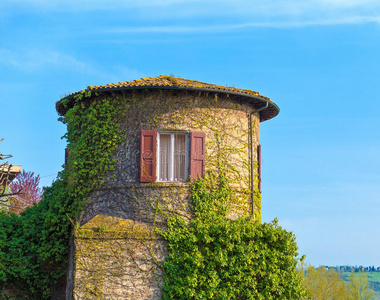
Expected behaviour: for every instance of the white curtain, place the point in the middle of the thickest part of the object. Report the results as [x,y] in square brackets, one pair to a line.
[164,157]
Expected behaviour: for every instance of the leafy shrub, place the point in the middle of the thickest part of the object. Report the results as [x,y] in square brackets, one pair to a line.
[34,246]
[215,257]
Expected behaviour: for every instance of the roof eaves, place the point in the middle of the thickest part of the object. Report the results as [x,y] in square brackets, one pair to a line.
[266,114]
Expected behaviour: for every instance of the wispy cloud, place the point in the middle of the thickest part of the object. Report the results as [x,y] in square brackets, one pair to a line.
[36,59]
[194,8]
[233,27]
[39,60]
[211,16]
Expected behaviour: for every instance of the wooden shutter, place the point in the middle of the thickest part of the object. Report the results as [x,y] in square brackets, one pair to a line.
[148,149]
[197,155]
[259,166]
[66,156]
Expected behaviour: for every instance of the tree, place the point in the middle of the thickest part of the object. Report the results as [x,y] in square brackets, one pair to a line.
[358,288]
[31,192]
[323,284]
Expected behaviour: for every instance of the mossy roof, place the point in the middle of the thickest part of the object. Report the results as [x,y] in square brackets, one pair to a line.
[170,82]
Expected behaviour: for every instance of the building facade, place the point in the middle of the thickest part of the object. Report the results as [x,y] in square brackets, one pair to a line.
[175,131]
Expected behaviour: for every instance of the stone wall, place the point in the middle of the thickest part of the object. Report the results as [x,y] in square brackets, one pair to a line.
[117,259]
[226,125]
[110,260]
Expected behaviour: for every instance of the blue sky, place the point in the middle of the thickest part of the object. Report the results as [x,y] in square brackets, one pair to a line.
[319,60]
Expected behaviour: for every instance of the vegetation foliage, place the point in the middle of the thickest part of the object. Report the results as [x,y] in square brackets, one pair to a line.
[328,284]
[215,257]
[323,284]
[28,183]
[34,246]
[358,288]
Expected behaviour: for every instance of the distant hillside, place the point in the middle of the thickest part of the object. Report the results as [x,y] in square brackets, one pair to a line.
[373,280]
[341,269]
[372,271]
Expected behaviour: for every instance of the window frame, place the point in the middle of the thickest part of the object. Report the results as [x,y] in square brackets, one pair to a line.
[196,154]
[172,134]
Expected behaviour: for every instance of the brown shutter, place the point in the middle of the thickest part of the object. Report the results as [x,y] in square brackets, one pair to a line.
[197,155]
[148,151]
[259,166]
[66,156]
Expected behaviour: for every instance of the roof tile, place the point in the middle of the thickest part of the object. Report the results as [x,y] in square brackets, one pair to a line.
[166,81]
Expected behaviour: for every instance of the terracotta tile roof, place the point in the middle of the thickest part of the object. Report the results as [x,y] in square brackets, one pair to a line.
[170,82]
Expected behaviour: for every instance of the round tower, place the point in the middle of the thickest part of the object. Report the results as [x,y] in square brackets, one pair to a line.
[174,131]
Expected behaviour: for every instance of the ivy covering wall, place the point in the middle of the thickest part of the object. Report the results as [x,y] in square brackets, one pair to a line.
[209,257]
[34,245]
[215,257]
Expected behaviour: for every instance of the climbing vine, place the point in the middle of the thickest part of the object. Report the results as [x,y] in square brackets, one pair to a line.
[214,250]
[34,245]
[215,257]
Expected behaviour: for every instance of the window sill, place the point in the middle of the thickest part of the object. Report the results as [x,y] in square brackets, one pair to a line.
[170,183]
[145,185]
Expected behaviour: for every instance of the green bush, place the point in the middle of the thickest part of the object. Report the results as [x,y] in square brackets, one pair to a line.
[34,246]
[215,257]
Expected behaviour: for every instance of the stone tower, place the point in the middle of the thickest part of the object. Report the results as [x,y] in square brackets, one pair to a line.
[176,130]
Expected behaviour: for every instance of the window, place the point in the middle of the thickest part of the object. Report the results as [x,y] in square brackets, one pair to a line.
[171,156]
